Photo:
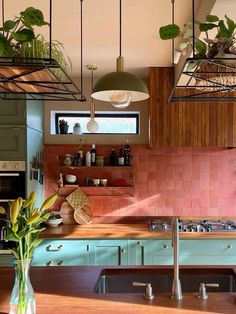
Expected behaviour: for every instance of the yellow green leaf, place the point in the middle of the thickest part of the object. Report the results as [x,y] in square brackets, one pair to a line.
[33,219]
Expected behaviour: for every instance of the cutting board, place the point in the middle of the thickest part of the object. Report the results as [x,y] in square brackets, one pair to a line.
[67,212]
[83,215]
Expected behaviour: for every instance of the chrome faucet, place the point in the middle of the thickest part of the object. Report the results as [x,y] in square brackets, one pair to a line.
[176,286]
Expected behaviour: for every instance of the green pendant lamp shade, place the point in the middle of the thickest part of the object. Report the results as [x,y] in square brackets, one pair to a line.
[120,87]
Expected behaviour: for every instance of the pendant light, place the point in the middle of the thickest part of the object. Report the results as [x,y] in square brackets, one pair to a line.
[120,87]
[92,125]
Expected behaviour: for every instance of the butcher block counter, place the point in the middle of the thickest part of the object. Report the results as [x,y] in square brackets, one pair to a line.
[124,230]
[71,290]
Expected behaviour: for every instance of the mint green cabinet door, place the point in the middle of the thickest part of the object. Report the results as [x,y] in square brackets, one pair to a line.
[109,252]
[12,112]
[61,253]
[12,143]
[160,252]
[138,252]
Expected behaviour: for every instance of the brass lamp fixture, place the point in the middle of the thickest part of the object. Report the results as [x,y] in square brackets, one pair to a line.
[120,88]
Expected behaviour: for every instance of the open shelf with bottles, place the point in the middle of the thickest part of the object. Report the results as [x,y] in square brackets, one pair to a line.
[119,179]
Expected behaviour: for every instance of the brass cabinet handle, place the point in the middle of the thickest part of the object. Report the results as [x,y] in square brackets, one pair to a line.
[60,263]
[50,248]
[49,263]
[139,243]
[123,251]
[165,246]
[229,246]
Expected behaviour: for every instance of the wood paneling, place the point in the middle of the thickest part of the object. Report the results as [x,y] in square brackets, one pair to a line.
[189,124]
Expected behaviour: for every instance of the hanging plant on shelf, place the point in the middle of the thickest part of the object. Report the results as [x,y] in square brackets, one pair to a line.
[18,39]
[222,45]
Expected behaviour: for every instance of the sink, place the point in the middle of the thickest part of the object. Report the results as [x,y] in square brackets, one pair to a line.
[120,280]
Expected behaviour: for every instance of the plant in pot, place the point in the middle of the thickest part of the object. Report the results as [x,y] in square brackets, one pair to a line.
[24,228]
[63,127]
[18,38]
[77,128]
[221,45]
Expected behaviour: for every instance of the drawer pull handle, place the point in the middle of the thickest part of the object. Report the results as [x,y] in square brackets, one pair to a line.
[49,263]
[165,246]
[60,263]
[53,248]
[229,246]
[139,243]
[123,251]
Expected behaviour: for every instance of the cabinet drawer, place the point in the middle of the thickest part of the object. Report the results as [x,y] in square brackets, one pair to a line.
[161,246]
[62,253]
[208,247]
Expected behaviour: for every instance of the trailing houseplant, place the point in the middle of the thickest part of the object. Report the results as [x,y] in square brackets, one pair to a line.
[18,39]
[24,228]
[222,43]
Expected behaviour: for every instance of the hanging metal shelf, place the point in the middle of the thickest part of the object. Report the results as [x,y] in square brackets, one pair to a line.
[205,80]
[34,78]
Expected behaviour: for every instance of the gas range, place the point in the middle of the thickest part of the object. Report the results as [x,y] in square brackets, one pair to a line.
[161,225]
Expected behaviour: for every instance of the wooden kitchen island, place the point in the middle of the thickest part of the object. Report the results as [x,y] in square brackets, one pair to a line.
[70,290]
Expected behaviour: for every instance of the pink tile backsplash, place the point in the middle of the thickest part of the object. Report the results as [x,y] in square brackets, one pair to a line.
[180,181]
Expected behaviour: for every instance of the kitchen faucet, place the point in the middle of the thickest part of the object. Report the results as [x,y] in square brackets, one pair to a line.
[176,286]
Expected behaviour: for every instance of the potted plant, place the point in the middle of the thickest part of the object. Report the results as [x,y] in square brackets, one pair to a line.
[18,38]
[63,127]
[77,128]
[23,230]
[221,45]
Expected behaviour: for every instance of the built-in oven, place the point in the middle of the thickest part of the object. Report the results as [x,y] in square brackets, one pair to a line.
[12,185]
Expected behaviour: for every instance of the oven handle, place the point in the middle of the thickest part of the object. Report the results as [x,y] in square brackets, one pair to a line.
[9,174]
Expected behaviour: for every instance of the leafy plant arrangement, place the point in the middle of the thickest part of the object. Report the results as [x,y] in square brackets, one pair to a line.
[222,43]
[18,39]
[24,229]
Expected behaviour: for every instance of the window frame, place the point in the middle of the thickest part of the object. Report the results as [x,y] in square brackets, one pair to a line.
[100,114]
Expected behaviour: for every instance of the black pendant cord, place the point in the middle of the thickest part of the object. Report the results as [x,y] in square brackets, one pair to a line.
[193,17]
[3,14]
[173,40]
[50,29]
[120,29]
[81,50]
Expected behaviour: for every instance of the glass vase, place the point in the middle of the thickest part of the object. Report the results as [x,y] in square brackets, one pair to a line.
[22,296]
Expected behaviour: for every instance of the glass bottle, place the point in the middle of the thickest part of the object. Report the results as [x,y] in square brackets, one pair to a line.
[22,296]
[113,158]
[88,159]
[127,154]
[93,155]
[121,159]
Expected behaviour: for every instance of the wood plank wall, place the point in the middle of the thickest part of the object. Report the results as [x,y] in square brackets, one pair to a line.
[209,124]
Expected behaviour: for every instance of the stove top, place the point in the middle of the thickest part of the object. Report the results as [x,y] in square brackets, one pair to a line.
[160,225]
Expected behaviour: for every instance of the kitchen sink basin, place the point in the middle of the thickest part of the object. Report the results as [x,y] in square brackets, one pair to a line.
[120,280]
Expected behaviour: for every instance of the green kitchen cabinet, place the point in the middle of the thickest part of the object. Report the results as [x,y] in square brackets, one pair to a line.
[160,252]
[12,112]
[62,253]
[138,252]
[109,252]
[12,142]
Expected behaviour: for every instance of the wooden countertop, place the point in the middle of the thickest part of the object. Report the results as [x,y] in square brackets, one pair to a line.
[71,290]
[124,231]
